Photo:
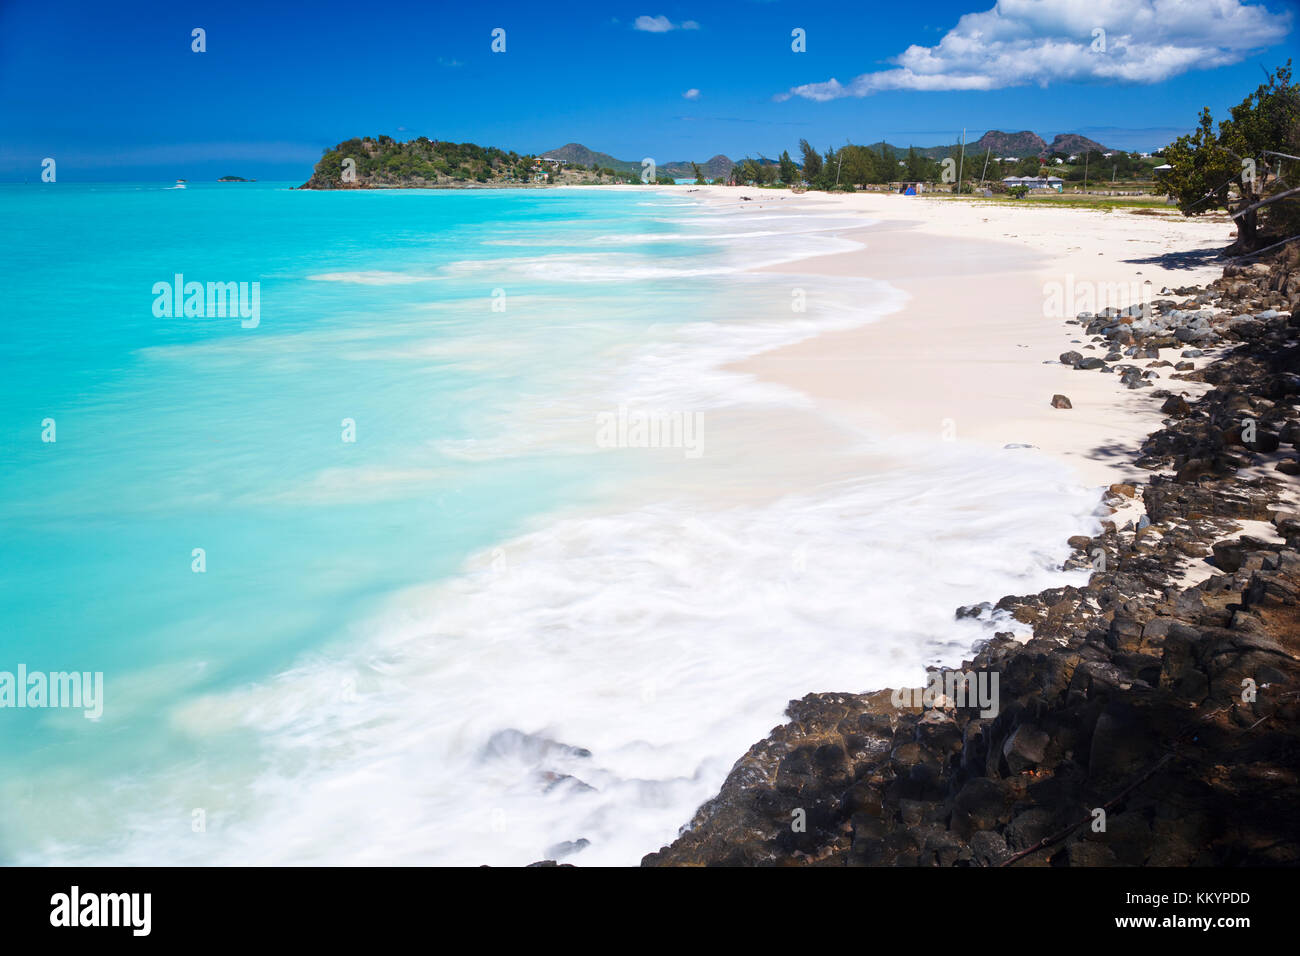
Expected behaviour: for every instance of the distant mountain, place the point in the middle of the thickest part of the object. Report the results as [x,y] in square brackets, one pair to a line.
[1020,145]
[1000,143]
[1026,144]
[1072,144]
[582,156]
[716,168]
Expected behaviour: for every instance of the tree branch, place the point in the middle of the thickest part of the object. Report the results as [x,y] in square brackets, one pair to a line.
[1265,202]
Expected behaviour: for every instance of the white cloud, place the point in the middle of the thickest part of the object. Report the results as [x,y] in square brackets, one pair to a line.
[661,24]
[1023,42]
[691,94]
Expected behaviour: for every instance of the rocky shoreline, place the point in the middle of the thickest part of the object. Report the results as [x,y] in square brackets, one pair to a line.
[1149,720]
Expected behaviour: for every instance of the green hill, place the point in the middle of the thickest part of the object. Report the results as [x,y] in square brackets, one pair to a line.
[383,161]
[580,155]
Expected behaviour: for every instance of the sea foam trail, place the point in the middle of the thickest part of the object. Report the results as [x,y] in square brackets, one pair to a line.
[595,680]
[579,689]
[372,277]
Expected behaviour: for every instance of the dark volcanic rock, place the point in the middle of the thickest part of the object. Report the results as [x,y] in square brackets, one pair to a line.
[1229,555]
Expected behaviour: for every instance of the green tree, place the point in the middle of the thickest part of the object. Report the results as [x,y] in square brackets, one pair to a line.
[829,167]
[916,166]
[699,176]
[857,166]
[812,161]
[747,171]
[788,169]
[1029,166]
[1232,170]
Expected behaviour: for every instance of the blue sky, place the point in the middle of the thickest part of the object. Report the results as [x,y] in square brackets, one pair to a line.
[114,92]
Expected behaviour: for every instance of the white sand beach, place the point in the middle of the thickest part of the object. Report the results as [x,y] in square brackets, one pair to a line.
[972,350]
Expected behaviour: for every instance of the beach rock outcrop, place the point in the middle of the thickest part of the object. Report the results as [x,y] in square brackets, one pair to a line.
[1169,741]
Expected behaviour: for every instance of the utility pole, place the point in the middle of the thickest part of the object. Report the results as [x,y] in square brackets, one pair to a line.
[838,166]
[986,166]
[961,161]
[1085,170]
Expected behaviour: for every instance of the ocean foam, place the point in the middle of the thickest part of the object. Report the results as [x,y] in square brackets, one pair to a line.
[370,277]
[663,641]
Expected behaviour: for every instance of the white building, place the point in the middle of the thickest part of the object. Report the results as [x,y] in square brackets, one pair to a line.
[1036,182]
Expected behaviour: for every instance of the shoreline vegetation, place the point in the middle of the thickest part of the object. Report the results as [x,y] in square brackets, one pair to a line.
[1236,169]
[385,163]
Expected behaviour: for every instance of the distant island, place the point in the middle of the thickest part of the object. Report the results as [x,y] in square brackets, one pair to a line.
[422,163]
[385,163]
[235,179]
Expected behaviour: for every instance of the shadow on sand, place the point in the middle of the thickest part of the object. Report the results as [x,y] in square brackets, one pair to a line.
[1192,259]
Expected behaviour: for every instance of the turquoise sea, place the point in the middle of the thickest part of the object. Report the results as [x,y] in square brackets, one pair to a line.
[361,582]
